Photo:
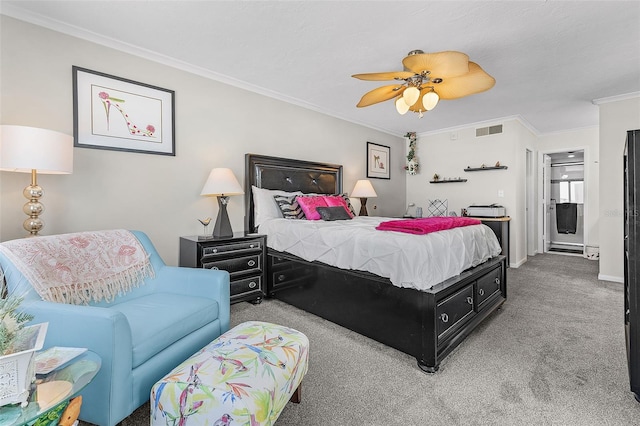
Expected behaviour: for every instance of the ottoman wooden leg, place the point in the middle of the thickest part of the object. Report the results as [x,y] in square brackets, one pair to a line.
[297,395]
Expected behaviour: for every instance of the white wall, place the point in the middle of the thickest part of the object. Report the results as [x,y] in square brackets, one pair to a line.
[519,224]
[616,118]
[586,139]
[216,125]
[449,153]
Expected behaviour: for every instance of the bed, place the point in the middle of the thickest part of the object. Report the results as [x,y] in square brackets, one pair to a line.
[427,324]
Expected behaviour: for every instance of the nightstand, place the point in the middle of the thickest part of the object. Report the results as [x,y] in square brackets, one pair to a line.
[243,256]
[500,227]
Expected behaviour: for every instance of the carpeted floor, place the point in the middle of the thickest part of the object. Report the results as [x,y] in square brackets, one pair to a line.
[553,355]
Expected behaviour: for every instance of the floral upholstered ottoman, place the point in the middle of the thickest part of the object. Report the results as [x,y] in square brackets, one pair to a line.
[244,377]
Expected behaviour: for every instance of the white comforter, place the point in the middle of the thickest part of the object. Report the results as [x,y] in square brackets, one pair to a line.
[414,261]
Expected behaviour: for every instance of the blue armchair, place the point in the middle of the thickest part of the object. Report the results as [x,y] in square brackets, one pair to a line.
[140,335]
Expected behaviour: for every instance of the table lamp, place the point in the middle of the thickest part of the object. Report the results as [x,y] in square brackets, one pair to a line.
[222,183]
[363,190]
[32,150]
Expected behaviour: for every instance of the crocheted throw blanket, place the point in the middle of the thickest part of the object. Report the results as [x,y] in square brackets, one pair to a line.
[80,267]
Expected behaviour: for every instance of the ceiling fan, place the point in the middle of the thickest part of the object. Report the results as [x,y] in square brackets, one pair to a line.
[427,78]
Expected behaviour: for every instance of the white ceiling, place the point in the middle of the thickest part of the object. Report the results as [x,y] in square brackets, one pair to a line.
[550,59]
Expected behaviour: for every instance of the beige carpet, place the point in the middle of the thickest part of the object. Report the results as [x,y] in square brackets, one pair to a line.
[553,355]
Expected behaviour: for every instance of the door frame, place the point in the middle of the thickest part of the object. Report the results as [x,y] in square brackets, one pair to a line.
[530,203]
[540,204]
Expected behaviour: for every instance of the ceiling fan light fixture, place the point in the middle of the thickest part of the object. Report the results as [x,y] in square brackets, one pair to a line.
[451,72]
[401,106]
[411,95]
[430,100]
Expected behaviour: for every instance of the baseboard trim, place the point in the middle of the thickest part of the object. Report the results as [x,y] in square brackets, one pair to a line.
[518,263]
[612,278]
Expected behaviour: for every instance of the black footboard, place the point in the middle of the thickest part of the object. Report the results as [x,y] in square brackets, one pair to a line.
[425,324]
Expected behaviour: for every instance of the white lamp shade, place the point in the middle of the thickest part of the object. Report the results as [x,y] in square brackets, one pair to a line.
[401,106]
[430,100]
[411,95]
[363,189]
[222,181]
[23,149]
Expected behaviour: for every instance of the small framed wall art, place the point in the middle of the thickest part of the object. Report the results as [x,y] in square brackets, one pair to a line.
[118,114]
[378,161]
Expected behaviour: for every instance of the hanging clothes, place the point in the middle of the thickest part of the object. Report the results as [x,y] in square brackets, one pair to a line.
[566,218]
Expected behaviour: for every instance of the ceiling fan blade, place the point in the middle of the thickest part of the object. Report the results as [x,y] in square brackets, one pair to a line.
[380,94]
[441,64]
[381,76]
[476,81]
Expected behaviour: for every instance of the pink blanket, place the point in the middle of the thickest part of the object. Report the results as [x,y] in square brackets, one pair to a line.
[426,225]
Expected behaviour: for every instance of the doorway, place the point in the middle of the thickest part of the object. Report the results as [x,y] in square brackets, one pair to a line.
[563,190]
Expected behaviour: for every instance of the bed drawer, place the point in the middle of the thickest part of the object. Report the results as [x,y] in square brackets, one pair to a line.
[454,311]
[285,273]
[238,265]
[488,286]
[290,276]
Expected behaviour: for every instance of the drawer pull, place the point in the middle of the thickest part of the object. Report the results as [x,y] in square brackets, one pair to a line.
[252,284]
[252,245]
[470,300]
[481,292]
[282,277]
[444,317]
[497,281]
[215,268]
[215,250]
[251,263]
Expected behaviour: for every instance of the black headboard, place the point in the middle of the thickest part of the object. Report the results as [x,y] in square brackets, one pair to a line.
[288,175]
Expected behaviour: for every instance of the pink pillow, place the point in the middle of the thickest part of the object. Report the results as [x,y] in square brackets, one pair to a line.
[309,204]
[335,201]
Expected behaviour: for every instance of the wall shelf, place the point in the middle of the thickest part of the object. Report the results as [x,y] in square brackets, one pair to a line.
[447,181]
[481,169]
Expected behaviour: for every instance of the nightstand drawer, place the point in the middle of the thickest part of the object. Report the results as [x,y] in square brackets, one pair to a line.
[237,265]
[240,247]
[246,285]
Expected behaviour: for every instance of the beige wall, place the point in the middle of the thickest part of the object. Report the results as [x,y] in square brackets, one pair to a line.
[615,119]
[449,153]
[216,125]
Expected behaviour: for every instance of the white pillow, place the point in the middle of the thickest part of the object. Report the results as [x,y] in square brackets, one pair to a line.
[264,206]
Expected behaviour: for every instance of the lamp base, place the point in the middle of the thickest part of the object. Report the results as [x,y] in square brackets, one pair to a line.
[33,208]
[363,207]
[222,228]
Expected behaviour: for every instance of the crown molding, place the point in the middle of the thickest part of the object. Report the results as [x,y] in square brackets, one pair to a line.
[577,129]
[616,98]
[485,123]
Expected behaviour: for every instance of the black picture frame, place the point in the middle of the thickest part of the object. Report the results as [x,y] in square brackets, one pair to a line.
[378,159]
[119,114]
